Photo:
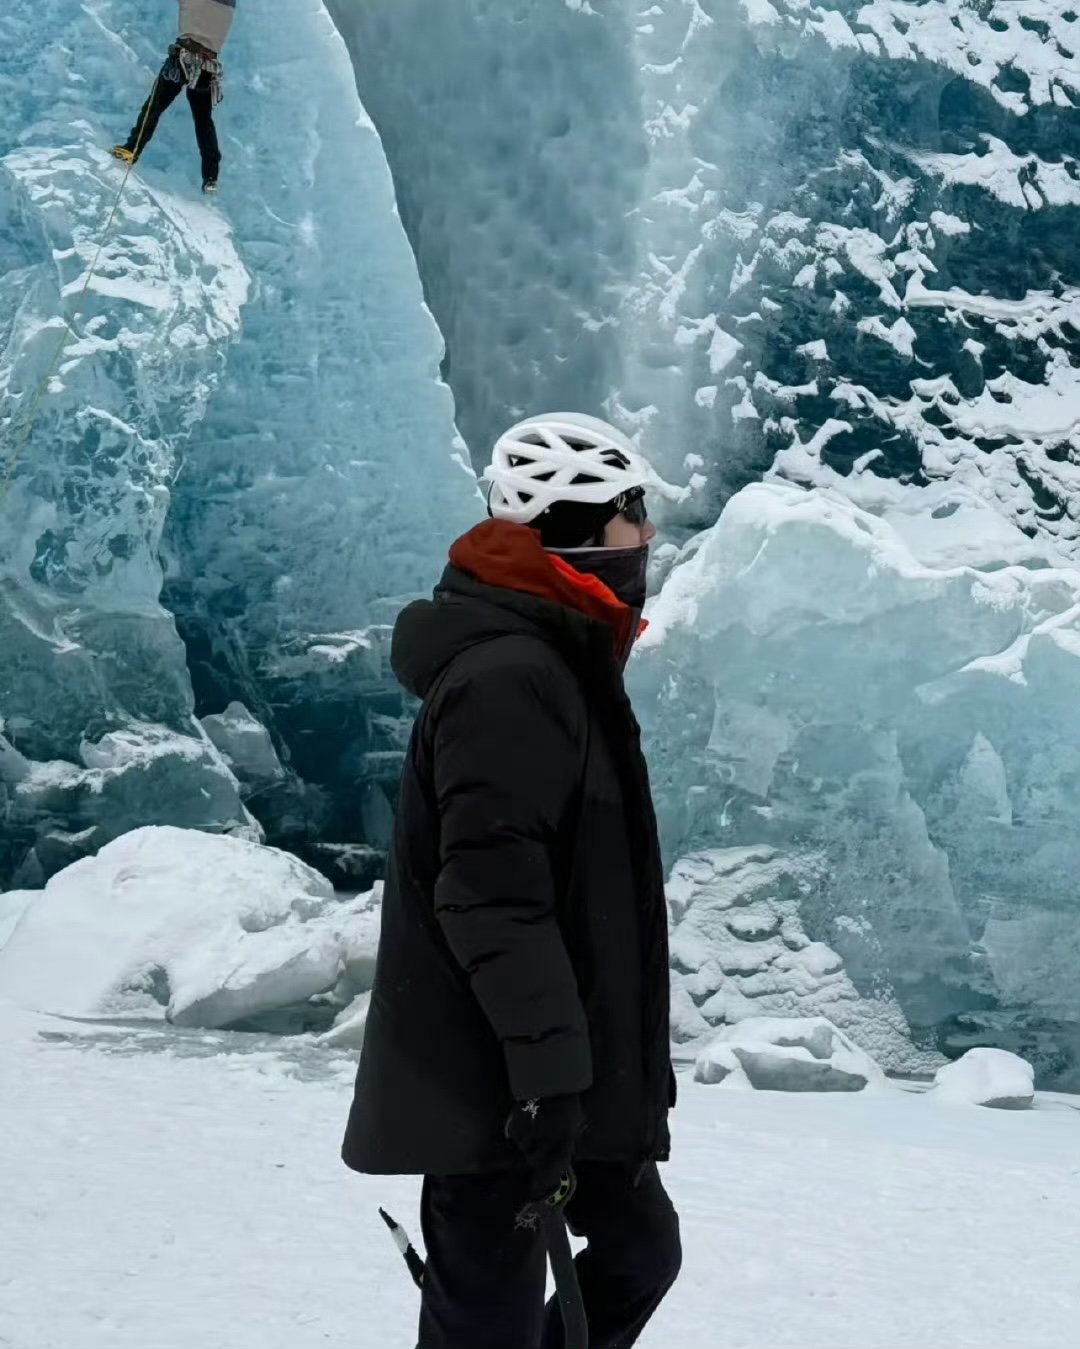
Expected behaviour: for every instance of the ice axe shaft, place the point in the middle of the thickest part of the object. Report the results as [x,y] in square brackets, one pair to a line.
[567,1287]
[564,1272]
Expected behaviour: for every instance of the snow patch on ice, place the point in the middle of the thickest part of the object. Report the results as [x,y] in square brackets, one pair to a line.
[1021,180]
[977,42]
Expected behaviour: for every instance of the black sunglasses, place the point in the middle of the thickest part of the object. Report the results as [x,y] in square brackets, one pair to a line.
[632,507]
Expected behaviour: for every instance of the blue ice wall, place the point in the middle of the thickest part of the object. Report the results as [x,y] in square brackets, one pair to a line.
[252,394]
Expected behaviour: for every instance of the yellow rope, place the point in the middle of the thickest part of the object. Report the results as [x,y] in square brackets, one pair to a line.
[69,332]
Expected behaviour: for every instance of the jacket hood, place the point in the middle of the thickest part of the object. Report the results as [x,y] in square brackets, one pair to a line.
[501,582]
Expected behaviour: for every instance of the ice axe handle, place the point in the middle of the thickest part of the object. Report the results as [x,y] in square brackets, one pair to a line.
[567,1288]
[408,1252]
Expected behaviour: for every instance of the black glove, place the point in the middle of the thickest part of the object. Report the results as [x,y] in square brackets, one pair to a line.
[546,1132]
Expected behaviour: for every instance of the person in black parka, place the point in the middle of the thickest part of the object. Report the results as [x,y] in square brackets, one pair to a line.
[517,1034]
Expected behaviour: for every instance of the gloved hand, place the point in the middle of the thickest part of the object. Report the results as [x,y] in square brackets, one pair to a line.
[546,1132]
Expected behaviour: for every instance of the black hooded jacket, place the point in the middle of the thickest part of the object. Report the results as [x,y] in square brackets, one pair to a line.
[524,947]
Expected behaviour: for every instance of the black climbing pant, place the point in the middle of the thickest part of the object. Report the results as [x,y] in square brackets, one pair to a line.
[201,98]
[484,1287]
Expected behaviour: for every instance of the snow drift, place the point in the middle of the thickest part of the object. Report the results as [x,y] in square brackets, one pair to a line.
[201,931]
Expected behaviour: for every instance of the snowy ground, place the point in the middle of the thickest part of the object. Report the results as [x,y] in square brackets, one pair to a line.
[181,1190]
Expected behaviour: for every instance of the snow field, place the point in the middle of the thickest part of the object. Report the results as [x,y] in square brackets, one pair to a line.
[182,1190]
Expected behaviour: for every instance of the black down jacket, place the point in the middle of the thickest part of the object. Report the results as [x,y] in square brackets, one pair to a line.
[524,932]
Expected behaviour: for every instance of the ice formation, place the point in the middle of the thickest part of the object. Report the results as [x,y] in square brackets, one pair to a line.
[201,931]
[832,245]
[250,403]
[990,1077]
[786,1054]
[894,725]
[246,746]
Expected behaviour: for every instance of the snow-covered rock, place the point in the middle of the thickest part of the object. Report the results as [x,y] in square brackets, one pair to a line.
[787,1054]
[198,929]
[991,1077]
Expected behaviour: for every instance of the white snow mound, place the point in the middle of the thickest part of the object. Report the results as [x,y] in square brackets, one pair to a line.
[991,1077]
[786,1054]
[199,929]
[13,904]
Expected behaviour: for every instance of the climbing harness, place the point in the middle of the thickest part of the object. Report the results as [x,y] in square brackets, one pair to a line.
[189,61]
[35,407]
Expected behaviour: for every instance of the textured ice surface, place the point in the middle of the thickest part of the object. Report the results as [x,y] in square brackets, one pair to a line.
[847,231]
[902,734]
[143,772]
[202,931]
[739,950]
[786,1054]
[257,382]
[990,1077]
[347,1032]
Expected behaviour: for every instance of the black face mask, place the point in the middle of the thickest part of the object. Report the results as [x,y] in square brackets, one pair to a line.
[622,570]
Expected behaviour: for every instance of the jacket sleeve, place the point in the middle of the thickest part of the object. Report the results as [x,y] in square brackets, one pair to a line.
[506,765]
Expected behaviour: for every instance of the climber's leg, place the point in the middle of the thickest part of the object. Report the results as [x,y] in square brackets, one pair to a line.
[201,99]
[163,95]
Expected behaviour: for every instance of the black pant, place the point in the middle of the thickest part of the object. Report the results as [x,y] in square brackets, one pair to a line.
[164,95]
[484,1287]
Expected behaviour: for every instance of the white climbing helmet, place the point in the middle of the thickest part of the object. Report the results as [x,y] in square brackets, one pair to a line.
[563,456]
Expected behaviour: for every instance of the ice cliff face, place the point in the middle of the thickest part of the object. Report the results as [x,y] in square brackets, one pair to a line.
[842,232]
[251,395]
[836,245]
[897,727]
